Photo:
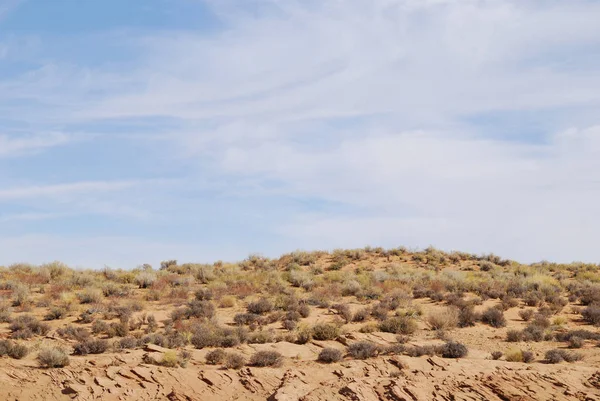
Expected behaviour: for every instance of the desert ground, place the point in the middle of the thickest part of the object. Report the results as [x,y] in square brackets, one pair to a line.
[360,324]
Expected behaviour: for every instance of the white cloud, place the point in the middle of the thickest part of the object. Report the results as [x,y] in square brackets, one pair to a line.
[363,104]
[351,58]
[524,201]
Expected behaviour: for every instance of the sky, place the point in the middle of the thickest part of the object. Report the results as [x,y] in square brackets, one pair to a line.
[199,130]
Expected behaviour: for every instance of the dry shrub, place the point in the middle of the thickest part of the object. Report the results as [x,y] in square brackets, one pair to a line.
[369,328]
[90,296]
[261,337]
[528,356]
[330,355]
[55,313]
[494,317]
[453,349]
[576,342]
[399,325]
[444,319]
[363,350]
[304,334]
[514,355]
[467,316]
[20,295]
[325,331]
[418,350]
[591,314]
[145,279]
[216,357]
[361,315]
[343,310]
[560,355]
[509,302]
[200,309]
[234,361]
[210,335]
[26,326]
[12,349]
[496,355]
[260,307]
[513,336]
[266,358]
[73,333]
[289,325]
[5,312]
[526,314]
[127,343]
[90,347]
[227,302]
[52,358]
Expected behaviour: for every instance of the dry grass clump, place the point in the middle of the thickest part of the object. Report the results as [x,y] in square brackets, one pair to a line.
[261,337]
[53,357]
[560,355]
[363,350]
[5,312]
[496,355]
[591,314]
[234,361]
[260,307]
[467,316]
[210,335]
[27,326]
[518,355]
[90,296]
[73,333]
[453,349]
[343,311]
[13,349]
[170,359]
[126,343]
[526,314]
[330,355]
[444,319]
[325,331]
[55,313]
[494,317]
[95,346]
[216,356]
[199,309]
[266,358]
[399,325]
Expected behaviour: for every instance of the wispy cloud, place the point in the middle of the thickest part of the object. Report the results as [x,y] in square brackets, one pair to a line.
[390,110]
[16,145]
[58,190]
[9,217]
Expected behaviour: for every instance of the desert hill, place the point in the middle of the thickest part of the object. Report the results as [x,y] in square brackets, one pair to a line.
[361,324]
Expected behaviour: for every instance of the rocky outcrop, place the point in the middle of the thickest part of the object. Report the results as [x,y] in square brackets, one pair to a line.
[384,378]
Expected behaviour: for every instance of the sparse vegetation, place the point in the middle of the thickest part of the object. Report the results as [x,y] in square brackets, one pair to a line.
[356,297]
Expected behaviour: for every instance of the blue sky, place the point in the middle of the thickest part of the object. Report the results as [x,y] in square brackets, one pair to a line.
[142,130]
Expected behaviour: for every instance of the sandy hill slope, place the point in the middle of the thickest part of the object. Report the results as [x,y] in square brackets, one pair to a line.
[362,324]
